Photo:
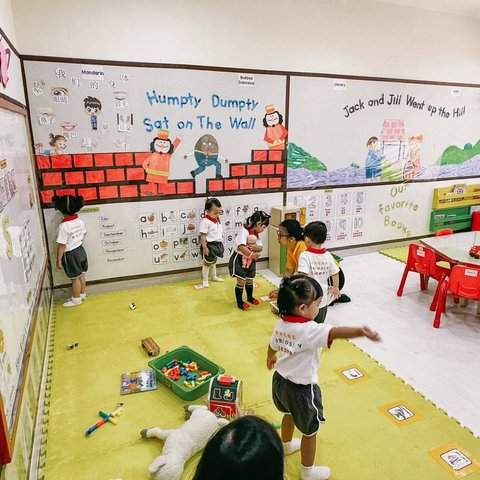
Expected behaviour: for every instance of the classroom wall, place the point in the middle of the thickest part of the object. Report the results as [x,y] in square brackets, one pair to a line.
[6,20]
[343,37]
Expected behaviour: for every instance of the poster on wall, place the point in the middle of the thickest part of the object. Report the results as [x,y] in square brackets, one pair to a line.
[152,237]
[22,260]
[378,213]
[113,133]
[371,132]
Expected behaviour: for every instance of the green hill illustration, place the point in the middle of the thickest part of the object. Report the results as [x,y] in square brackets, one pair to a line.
[299,158]
[455,155]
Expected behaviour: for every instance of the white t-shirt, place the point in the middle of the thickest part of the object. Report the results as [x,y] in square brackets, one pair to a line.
[242,239]
[71,233]
[320,265]
[299,346]
[213,230]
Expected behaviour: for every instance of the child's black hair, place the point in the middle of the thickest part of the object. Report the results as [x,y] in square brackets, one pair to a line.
[294,229]
[212,201]
[295,291]
[54,139]
[256,217]
[280,119]
[245,448]
[92,102]
[152,145]
[67,204]
[316,232]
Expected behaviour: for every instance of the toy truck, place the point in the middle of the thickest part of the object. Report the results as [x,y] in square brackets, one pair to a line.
[475,252]
[150,346]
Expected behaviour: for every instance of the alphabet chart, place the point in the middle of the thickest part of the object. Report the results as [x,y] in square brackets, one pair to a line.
[159,236]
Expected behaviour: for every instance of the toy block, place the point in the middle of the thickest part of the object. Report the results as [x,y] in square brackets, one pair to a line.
[150,346]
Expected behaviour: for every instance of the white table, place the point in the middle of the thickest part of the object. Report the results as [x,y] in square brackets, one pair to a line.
[454,248]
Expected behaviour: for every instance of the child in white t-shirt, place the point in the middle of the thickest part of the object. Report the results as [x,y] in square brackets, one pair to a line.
[211,240]
[319,264]
[71,256]
[298,341]
[254,225]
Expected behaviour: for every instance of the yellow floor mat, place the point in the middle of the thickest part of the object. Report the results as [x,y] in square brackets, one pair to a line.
[361,439]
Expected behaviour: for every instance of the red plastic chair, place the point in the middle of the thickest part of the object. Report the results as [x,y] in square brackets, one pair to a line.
[464,282]
[443,232]
[422,260]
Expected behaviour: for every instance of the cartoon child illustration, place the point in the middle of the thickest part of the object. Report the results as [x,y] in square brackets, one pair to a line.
[413,166]
[206,154]
[157,165]
[275,132]
[93,107]
[373,163]
[58,144]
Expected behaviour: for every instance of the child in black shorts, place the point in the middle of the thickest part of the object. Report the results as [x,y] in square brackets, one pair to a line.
[254,225]
[299,340]
[71,256]
[211,240]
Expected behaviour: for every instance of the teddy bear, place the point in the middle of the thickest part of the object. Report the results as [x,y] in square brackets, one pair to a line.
[184,442]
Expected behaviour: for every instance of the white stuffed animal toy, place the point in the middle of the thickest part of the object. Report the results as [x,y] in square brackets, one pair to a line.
[184,442]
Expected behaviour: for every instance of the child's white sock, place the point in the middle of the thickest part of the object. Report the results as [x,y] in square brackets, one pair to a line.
[314,473]
[205,271]
[292,446]
[73,302]
[83,296]
[214,274]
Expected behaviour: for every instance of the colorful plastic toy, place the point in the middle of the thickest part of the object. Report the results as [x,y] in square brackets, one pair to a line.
[225,396]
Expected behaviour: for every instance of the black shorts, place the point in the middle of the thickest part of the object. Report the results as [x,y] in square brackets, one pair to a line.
[236,268]
[75,262]
[302,402]
[321,315]
[215,250]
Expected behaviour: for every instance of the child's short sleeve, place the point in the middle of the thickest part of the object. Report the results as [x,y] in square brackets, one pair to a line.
[203,228]
[242,237]
[334,268]
[304,264]
[62,235]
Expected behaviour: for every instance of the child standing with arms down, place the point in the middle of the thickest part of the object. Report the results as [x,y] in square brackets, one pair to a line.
[295,389]
[254,225]
[71,256]
[211,238]
[319,264]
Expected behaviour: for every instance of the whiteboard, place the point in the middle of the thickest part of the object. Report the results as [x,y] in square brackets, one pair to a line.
[332,120]
[143,238]
[371,214]
[22,255]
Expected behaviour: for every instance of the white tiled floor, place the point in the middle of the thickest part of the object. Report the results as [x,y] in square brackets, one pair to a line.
[443,364]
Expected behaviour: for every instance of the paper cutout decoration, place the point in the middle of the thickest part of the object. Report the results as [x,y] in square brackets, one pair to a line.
[5,54]
[93,107]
